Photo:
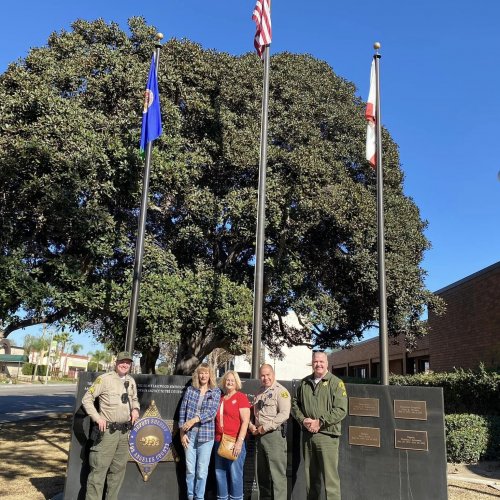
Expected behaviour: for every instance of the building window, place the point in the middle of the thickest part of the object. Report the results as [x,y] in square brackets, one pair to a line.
[423,365]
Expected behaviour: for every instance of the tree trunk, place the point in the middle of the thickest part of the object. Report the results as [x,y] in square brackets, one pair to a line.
[187,357]
[33,377]
[185,365]
[149,358]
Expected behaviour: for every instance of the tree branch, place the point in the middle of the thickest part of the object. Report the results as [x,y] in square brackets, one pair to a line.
[50,318]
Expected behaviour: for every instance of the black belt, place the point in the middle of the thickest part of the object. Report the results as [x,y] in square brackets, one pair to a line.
[116,426]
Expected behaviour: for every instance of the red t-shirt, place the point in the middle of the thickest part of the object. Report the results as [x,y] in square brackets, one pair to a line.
[232,420]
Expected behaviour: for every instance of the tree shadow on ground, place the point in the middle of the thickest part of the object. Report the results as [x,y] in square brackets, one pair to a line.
[34,454]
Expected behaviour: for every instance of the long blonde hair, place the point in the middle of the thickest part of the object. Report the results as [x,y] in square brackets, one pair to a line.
[222,383]
[205,367]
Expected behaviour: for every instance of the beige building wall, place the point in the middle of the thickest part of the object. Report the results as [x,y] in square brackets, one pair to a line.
[295,364]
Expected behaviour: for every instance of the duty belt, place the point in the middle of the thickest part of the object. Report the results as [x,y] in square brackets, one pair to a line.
[116,426]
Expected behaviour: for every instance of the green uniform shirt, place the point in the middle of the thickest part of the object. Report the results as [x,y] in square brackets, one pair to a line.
[109,389]
[326,401]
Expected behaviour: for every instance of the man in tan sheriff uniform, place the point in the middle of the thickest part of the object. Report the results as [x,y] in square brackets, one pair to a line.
[271,409]
[116,392]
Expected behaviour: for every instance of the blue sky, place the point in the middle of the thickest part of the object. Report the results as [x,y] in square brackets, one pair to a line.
[440,82]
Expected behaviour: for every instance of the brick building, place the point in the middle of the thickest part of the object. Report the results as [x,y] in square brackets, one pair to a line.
[363,360]
[467,334]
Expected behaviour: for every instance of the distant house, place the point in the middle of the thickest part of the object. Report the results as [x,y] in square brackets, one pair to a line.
[71,364]
[467,334]
[61,365]
[11,359]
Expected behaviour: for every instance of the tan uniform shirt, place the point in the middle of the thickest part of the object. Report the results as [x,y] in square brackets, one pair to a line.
[109,389]
[271,407]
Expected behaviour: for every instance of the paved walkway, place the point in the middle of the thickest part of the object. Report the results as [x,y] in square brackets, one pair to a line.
[481,473]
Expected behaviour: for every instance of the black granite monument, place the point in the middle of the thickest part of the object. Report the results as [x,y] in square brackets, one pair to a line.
[393,445]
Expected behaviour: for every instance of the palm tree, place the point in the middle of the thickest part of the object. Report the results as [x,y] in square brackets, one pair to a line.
[37,345]
[62,339]
[100,357]
[76,348]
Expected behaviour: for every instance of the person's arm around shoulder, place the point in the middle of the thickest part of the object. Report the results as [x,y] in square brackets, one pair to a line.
[252,428]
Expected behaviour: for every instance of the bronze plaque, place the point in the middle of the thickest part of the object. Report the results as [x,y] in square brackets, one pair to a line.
[411,410]
[410,440]
[364,407]
[364,436]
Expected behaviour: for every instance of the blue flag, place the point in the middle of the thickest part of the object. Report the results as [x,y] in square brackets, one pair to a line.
[151,116]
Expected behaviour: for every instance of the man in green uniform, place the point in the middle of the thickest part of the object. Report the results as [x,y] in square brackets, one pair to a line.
[271,409]
[319,407]
[116,392]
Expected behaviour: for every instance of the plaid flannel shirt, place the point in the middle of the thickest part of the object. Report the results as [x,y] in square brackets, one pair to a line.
[189,410]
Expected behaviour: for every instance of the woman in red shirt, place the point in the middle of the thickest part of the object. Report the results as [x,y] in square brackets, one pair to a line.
[232,418]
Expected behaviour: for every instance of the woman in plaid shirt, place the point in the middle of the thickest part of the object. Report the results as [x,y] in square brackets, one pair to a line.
[196,422]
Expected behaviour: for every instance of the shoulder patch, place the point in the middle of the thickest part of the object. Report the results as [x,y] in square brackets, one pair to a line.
[342,388]
[93,387]
[284,394]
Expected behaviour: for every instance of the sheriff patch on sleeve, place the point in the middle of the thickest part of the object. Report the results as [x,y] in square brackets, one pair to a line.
[284,394]
[342,386]
[93,386]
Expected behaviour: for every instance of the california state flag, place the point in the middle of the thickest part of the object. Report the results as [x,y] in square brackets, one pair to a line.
[371,149]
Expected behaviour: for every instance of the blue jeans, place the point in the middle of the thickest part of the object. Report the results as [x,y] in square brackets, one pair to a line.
[229,475]
[197,461]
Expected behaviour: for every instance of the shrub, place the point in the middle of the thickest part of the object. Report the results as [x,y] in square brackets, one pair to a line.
[463,390]
[466,437]
[493,447]
[29,369]
[470,437]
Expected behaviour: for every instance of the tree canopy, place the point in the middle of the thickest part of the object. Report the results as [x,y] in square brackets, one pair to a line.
[70,180]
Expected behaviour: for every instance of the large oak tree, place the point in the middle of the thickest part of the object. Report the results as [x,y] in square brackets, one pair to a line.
[70,180]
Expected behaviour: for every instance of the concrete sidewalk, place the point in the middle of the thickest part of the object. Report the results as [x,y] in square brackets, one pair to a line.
[487,473]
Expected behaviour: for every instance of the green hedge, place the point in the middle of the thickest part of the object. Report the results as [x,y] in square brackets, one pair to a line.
[470,437]
[29,368]
[464,391]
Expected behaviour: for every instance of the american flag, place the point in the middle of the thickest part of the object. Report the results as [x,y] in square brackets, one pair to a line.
[371,150]
[262,17]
